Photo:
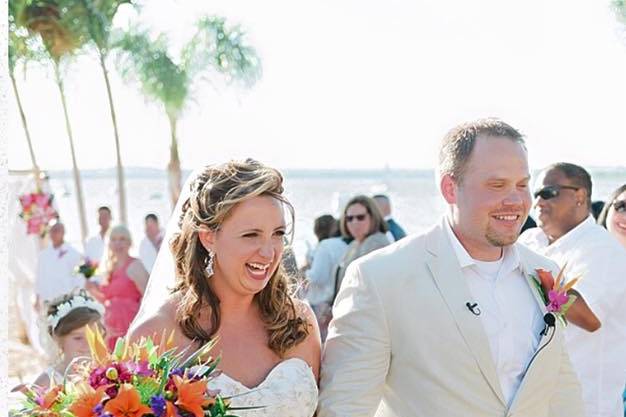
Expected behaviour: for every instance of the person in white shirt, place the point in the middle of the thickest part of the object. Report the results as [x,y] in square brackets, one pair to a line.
[568,234]
[94,247]
[150,244]
[55,268]
[448,322]
[320,276]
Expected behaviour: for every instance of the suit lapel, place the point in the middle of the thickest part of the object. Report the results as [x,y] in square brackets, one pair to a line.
[449,279]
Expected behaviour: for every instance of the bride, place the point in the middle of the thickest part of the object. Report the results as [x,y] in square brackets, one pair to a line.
[226,280]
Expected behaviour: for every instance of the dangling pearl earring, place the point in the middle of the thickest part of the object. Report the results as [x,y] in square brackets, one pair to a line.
[209,264]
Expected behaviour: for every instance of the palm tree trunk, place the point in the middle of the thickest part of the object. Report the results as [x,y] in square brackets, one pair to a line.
[36,169]
[77,184]
[120,170]
[173,168]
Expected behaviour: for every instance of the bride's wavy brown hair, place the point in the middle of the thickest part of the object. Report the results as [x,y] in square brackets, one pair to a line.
[214,193]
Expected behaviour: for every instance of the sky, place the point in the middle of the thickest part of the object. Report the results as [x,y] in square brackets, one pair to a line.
[355,85]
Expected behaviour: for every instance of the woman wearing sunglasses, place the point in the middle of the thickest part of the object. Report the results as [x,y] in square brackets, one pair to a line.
[363,222]
[613,215]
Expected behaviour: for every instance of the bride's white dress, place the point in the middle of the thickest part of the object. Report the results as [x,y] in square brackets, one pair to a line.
[289,390]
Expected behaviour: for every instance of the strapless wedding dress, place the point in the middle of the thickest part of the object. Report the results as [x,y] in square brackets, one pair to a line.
[289,390]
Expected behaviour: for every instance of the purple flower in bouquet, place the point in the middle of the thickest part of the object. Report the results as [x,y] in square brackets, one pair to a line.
[141,368]
[158,405]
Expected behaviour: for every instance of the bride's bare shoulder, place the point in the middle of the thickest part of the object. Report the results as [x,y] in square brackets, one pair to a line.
[153,325]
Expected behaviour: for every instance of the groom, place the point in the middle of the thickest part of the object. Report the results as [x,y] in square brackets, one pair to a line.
[447,323]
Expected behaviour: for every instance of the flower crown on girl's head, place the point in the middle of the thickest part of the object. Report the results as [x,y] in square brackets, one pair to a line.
[78,300]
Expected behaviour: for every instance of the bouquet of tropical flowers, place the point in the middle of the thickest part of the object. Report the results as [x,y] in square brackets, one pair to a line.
[135,380]
[87,269]
[37,212]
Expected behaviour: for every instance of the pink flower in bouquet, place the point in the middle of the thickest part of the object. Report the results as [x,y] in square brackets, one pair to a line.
[26,200]
[42,199]
[556,301]
[34,225]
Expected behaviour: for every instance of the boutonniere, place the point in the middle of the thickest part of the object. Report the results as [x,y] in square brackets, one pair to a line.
[553,291]
[62,253]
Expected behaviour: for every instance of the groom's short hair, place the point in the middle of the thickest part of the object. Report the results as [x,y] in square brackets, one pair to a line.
[456,147]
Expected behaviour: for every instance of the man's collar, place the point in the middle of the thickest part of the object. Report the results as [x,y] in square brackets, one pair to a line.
[575,233]
[510,255]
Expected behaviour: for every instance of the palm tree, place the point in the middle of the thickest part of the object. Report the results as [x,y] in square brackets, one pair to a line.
[48,19]
[22,49]
[213,47]
[619,6]
[94,20]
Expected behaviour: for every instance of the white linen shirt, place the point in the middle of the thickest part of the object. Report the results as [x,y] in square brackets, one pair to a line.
[55,272]
[510,314]
[94,248]
[328,254]
[599,358]
[147,253]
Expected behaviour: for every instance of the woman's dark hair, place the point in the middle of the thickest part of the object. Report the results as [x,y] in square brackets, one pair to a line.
[325,226]
[609,203]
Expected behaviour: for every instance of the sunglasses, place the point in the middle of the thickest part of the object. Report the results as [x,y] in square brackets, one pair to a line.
[358,217]
[619,206]
[553,191]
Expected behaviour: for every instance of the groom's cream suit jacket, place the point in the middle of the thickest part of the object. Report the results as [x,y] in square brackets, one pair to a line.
[403,343]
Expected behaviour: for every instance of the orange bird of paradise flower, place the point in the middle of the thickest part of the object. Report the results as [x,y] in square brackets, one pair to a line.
[127,403]
[85,404]
[191,395]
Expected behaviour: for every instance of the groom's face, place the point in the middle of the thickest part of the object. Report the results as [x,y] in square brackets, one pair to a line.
[492,201]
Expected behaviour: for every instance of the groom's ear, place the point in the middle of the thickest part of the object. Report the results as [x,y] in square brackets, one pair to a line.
[207,238]
[448,188]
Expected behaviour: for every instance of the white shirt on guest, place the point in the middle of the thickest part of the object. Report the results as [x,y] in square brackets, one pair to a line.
[94,248]
[327,256]
[509,312]
[599,358]
[148,252]
[55,272]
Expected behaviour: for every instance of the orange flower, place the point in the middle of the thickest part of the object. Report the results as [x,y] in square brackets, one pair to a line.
[127,403]
[546,278]
[191,395]
[97,346]
[51,397]
[170,410]
[84,405]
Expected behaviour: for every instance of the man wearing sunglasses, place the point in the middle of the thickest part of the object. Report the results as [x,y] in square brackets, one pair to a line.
[447,323]
[568,234]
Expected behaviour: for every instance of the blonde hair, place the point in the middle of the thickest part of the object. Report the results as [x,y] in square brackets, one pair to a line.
[110,259]
[214,193]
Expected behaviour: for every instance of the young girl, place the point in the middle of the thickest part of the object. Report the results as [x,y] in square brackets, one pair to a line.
[67,319]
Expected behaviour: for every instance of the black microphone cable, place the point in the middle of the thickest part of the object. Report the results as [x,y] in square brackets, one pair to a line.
[550,322]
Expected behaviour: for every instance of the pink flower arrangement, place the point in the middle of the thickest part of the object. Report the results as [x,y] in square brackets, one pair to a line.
[38,212]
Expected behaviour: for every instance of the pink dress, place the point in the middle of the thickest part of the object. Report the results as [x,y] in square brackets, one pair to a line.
[121,299]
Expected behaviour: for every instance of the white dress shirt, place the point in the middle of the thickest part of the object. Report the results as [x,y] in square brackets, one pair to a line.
[599,358]
[148,252]
[509,311]
[94,248]
[55,272]
[327,256]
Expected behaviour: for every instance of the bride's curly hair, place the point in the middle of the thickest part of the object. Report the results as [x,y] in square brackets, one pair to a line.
[214,193]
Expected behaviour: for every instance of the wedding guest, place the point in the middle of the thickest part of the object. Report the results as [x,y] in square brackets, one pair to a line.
[568,234]
[125,280]
[151,243]
[395,232]
[613,215]
[363,222]
[55,268]
[94,247]
[330,250]
[67,318]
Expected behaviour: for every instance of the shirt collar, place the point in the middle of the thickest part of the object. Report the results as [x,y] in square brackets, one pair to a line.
[574,234]
[510,261]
